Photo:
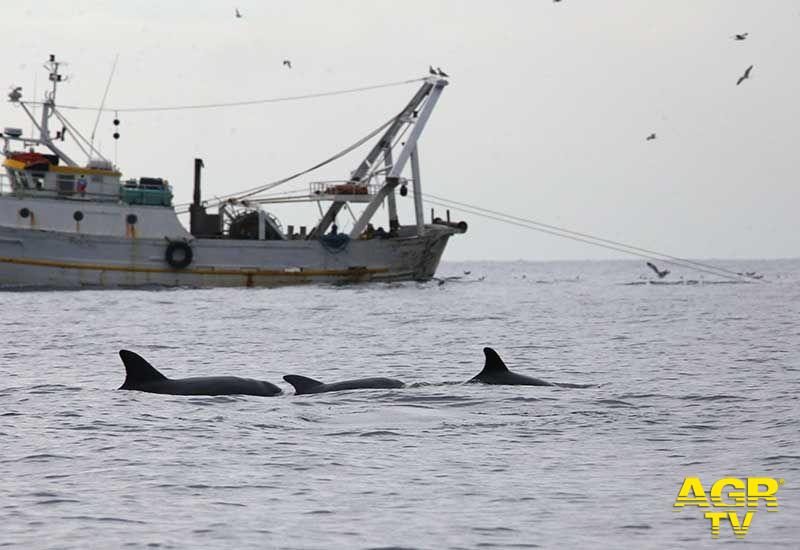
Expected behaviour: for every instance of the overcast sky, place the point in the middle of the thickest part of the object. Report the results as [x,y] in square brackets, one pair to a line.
[545,117]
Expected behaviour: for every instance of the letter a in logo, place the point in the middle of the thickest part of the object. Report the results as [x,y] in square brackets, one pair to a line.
[691,494]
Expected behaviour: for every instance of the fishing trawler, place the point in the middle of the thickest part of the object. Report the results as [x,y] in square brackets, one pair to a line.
[63,225]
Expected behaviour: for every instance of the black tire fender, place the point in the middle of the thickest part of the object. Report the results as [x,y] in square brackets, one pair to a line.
[183,252]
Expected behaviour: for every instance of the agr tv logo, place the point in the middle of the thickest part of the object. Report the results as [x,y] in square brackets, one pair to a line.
[730,492]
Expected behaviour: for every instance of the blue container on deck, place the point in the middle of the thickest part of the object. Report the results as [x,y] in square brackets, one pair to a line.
[148,191]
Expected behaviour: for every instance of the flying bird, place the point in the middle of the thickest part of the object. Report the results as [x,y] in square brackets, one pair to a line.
[15,94]
[238,15]
[745,76]
[287,63]
[431,69]
[741,36]
[440,72]
[661,273]
[650,137]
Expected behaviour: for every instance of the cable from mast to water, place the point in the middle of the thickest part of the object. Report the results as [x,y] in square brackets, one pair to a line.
[587,238]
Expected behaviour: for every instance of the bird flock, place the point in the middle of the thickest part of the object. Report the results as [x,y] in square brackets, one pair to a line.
[288,62]
[738,37]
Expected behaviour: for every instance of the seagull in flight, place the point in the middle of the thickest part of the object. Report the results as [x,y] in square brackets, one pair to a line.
[650,137]
[440,72]
[238,15]
[431,70]
[745,76]
[287,63]
[661,273]
[15,94]
[740,36]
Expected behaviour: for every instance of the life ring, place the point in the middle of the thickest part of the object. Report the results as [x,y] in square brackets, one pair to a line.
[183,252]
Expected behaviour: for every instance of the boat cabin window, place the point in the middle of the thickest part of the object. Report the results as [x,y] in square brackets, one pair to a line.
[66,184]
[38,181]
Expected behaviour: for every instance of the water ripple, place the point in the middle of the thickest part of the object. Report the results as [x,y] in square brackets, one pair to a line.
[661,382]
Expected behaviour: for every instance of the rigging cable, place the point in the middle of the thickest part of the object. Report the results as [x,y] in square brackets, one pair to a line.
[261,188]
[359,143]
[242,103]
[35,79]
[77,136]
[105,95]
[585,238]
[183,207]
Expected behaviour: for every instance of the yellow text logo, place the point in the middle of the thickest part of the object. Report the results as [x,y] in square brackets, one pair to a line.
[730,500]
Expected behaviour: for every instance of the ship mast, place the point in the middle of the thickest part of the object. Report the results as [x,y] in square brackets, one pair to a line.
[433,89]
[415,114]
[48,108]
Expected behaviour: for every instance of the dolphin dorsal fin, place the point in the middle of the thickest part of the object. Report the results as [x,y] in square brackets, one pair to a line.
[493,362]
[302,384]
[137,370]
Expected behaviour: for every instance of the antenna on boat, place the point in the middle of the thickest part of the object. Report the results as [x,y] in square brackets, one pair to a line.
[103,103]
[52,67]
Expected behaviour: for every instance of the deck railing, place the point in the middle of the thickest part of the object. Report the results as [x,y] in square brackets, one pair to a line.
[343,190]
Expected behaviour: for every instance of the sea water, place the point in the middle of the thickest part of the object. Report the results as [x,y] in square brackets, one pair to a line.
[683,380]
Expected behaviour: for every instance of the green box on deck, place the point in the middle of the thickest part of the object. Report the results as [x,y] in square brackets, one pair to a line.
[150,197]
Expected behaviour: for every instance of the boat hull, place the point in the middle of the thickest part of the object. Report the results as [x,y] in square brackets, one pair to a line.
[53,259]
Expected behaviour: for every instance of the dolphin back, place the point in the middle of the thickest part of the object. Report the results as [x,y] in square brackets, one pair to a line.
[137,371]
[496,372]
[493,366]
[302,384]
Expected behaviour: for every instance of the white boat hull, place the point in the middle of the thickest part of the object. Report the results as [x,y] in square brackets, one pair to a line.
[53,259]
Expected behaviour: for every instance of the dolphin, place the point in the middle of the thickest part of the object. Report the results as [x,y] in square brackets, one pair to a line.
[142,376]
[303,385]
[496,372]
